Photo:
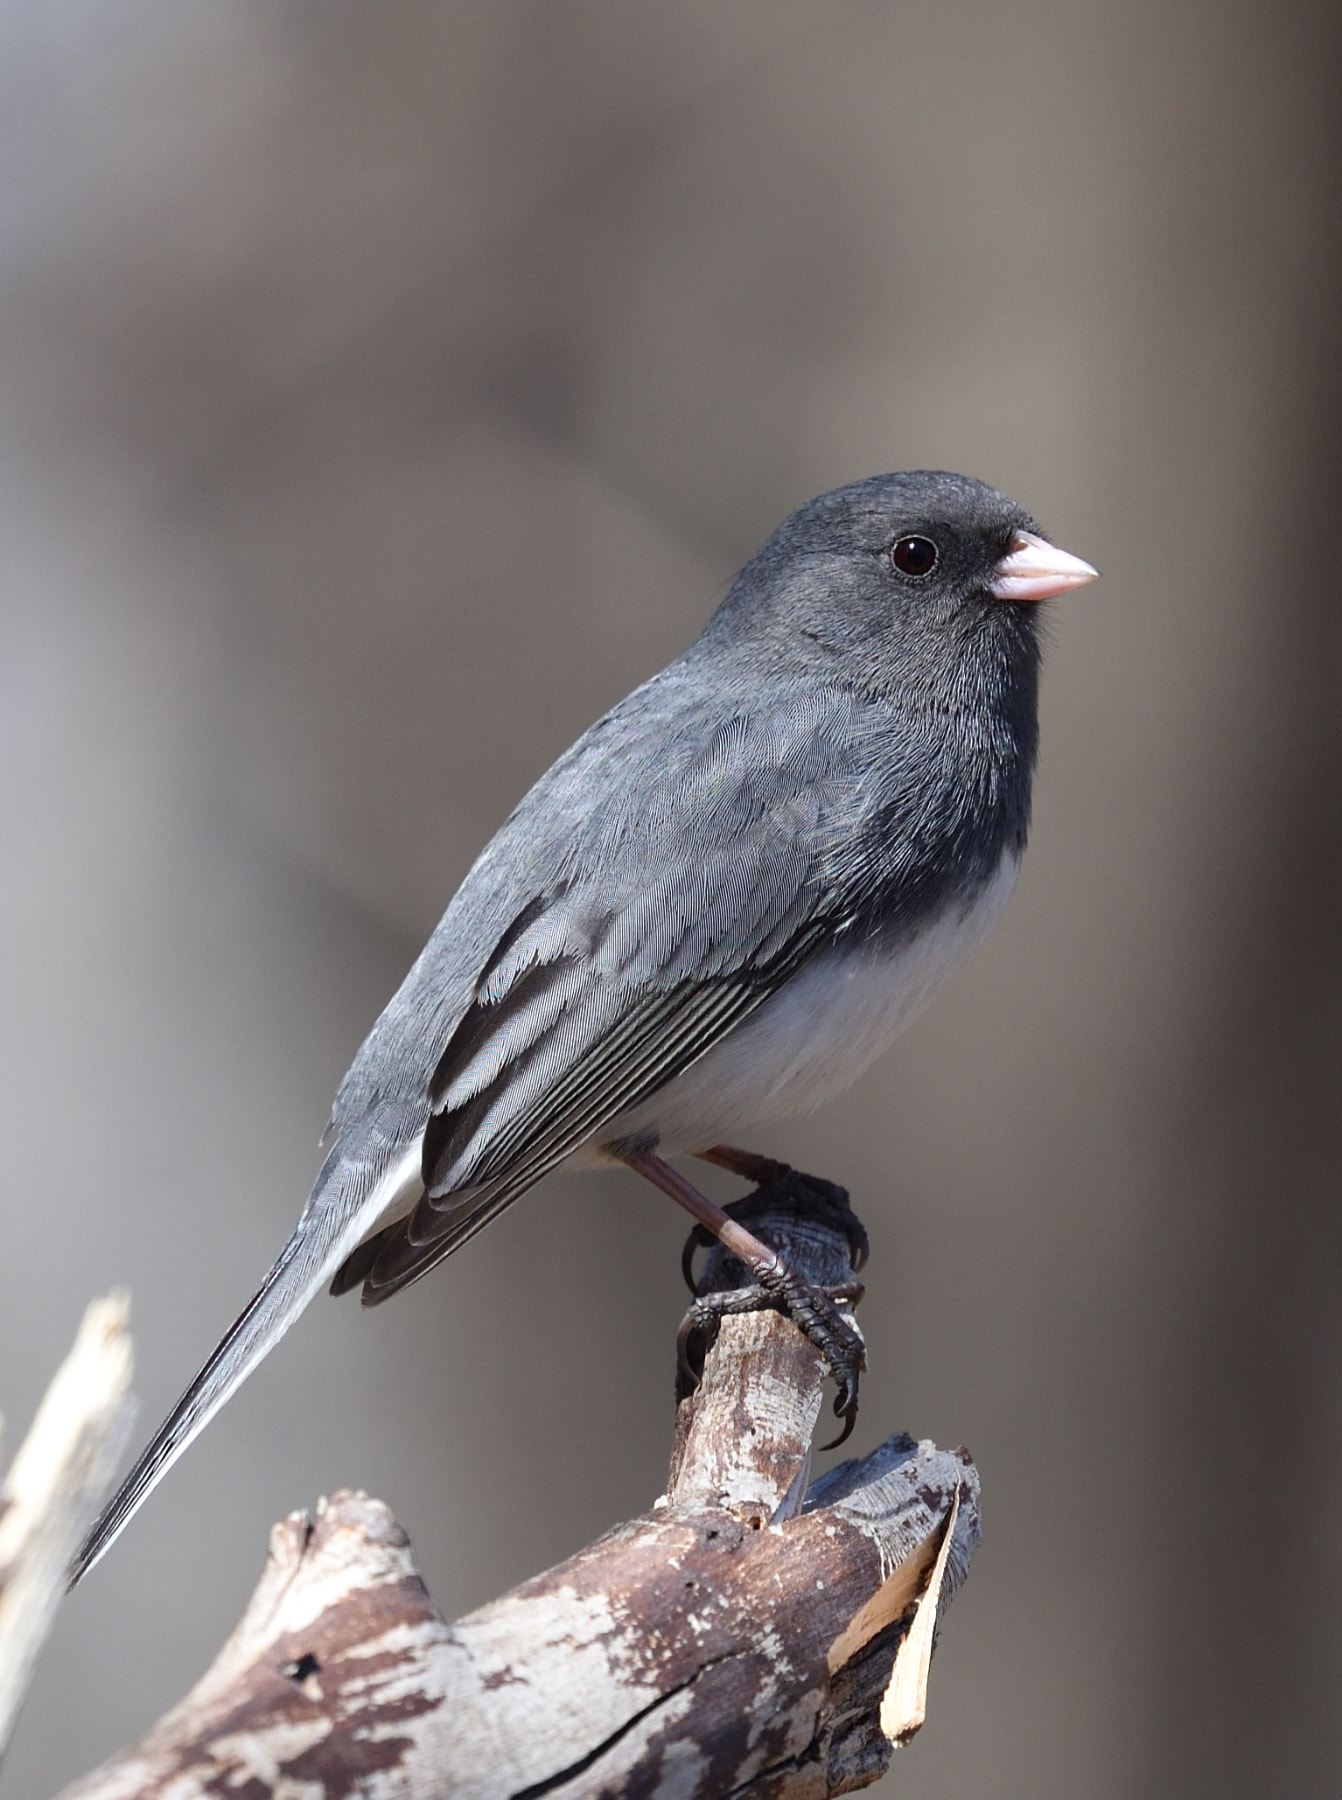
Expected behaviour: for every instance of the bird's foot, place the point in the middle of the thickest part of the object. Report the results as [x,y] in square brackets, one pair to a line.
[795,1216]
[785,1198]
[816,1313]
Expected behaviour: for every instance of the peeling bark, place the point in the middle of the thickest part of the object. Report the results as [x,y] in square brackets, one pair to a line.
[738,1639]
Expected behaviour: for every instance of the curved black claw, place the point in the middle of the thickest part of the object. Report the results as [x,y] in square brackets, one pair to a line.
[700,1238]
[811,1309]
[849,1420]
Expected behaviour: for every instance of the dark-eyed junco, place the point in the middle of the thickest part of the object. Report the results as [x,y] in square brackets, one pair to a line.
[714,910]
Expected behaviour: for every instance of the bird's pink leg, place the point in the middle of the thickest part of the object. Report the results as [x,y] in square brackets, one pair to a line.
[757,1257]
[745,1163]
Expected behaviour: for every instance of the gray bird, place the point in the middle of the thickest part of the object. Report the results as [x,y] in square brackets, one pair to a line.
[714,910]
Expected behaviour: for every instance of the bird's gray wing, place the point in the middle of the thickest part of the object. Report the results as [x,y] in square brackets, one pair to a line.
[611,1051]
[655,941]
[594,1088]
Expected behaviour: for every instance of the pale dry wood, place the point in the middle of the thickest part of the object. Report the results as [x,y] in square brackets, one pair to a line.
[737,1639]
[61,1473]
[904,1704]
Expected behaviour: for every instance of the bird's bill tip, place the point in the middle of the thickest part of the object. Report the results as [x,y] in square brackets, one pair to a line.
[1034,569]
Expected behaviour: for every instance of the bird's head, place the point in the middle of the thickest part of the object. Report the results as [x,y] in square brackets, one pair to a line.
[890,579]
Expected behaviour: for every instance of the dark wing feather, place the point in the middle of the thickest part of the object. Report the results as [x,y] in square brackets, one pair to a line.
[619,1068]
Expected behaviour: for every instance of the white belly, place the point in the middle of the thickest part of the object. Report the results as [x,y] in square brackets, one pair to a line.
[813,1038]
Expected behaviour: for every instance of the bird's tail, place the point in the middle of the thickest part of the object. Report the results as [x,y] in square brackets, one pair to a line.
[328,1231]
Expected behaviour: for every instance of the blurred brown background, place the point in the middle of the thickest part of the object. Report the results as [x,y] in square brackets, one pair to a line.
[383,391]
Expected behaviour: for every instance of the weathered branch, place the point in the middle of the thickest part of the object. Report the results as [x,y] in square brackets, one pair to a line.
[738,1639]
[64,1467]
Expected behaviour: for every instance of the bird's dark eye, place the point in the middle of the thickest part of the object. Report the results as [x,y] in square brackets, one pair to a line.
[914,556]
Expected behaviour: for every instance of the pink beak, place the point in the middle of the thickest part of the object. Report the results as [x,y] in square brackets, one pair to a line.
[1034,569]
